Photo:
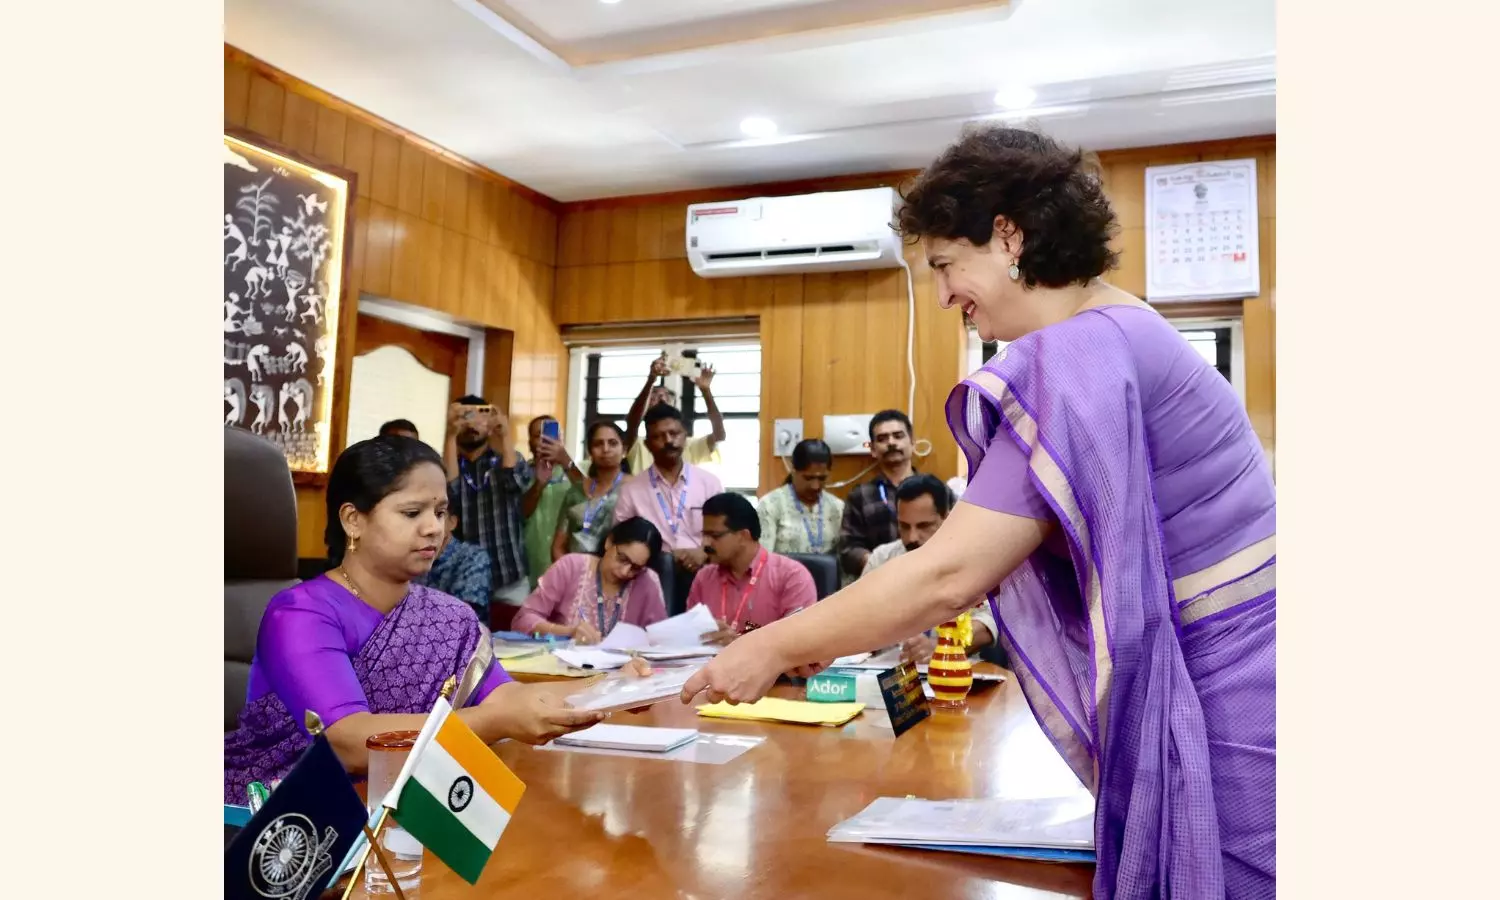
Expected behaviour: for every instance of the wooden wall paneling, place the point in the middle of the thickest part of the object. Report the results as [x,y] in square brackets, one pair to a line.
[648,230]
[846,345]
[329,141]
[376,272]
[820,339]
[569,240]
[406,255]
[565,298]
[385,169]
[1130,276]
[299,124]
[266,108]
[434,187]
[674,233]
[429,244]
[312,519]
[456,198]
[359,156]
[499,358]
[451,281]
[236,95]
[726,299]
[698,301]
[596,227]
[524,226]
[780,369]
[477,266]
[621,247]
[510,286]
[410,162]
[479,218]
[593,290]
[679,280]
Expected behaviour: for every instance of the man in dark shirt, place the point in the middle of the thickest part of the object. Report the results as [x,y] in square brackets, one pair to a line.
[870,510]
[487,479]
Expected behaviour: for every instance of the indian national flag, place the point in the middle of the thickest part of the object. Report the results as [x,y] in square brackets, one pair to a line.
[454,794]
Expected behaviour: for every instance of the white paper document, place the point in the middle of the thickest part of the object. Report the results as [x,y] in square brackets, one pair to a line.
[1061,823]
[680,637]
[591,658]
[630,737]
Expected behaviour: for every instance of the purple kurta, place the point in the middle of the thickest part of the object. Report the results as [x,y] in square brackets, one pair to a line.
[320,648]
[1143,632]
[567,591]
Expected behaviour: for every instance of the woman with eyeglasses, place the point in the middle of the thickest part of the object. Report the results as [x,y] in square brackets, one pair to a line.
[799,516]
[585,595]
[588,509]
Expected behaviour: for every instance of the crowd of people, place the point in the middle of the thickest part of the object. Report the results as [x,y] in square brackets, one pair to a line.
[537,544]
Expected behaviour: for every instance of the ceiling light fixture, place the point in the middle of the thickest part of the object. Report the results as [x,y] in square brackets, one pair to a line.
[1015,97]
[609,1]
[758,127]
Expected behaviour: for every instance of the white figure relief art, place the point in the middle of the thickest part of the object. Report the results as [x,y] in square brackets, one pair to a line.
[314,311]
[264,398]
[256,360]
[234,395]
[325,359]
[231,310]
[257,281]
[241,251]
[296,357]
[311,204]
[300,392]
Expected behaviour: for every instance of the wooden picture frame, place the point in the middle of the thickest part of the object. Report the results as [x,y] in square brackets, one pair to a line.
[288,299]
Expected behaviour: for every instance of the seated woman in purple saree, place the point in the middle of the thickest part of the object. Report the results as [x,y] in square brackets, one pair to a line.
[1120,514]
[364,647]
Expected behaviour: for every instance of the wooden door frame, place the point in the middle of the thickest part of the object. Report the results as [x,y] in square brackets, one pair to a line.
[387,333]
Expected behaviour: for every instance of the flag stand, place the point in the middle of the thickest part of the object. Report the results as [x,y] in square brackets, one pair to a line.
[373,834]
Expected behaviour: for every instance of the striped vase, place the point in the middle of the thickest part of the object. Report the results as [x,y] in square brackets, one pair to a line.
[949,672]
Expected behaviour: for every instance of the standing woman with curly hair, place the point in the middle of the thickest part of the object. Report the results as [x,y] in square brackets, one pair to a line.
[1120,514]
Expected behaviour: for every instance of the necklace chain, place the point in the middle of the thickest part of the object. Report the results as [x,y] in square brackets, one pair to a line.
[353,588]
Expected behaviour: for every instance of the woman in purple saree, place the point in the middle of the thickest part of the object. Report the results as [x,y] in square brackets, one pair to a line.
[1121,516]
[366,649]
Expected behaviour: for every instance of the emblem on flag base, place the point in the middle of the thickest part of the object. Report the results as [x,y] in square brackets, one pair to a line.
[287,859]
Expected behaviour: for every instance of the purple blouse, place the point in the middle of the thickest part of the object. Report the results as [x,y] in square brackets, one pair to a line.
[569,585]
[308,639]
[1213,488]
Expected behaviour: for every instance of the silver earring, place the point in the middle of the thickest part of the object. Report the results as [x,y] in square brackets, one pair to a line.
[1014,272]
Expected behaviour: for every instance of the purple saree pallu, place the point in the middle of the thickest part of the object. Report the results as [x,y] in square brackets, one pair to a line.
[402,668]
[1162,703]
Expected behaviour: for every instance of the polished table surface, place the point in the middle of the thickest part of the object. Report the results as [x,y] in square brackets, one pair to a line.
[592,825]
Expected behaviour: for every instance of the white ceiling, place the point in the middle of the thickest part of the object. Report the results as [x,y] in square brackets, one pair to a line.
[1108,74]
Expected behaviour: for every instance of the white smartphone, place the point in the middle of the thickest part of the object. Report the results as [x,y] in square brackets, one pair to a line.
[683,365]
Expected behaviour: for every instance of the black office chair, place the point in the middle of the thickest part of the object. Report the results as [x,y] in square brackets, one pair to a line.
[665,568]
[260,551]
[824,570]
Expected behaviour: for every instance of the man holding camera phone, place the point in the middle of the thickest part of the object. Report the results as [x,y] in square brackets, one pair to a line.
[696,450]
[486,481]
[554,471]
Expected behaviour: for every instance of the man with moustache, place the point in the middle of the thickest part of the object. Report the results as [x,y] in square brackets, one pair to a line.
[487,479]
[922,503]
[696,450]
[670,494]
[746,585]
[870,510]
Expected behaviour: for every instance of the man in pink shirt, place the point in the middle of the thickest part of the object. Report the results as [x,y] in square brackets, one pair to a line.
[747,586]
[671,495]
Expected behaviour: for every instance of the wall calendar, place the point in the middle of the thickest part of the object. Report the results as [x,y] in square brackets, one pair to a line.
[1202,234]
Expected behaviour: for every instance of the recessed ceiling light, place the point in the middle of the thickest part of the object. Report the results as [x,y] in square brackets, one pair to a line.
[609,1]
[1015,97]
[757,127]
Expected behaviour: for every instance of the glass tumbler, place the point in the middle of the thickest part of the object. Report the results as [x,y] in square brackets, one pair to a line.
[388,753]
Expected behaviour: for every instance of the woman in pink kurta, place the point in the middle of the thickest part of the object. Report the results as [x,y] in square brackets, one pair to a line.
[584,596]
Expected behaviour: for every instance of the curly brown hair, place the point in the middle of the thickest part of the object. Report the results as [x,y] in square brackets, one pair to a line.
[1047,190]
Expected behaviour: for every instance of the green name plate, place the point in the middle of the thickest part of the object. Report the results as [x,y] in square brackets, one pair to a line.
[834,686]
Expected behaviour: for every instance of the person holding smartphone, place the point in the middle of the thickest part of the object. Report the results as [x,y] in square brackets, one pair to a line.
[696,450]
[486,481]
[554,472]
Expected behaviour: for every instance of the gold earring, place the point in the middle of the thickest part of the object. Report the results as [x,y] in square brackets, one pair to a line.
[353,545]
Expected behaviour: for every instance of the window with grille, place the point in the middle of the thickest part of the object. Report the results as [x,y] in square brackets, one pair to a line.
[611,378]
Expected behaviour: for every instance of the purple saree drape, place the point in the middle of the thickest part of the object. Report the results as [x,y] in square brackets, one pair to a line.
[402,668]
[1164,705]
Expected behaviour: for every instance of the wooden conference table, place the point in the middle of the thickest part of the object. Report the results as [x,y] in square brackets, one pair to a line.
[592,825]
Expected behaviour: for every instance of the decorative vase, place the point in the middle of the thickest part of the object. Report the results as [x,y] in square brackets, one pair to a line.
[949,673]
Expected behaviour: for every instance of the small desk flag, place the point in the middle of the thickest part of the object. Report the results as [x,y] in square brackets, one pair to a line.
[292,847]
[454,794]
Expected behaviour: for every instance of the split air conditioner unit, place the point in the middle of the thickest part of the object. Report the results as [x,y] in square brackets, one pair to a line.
[835,231]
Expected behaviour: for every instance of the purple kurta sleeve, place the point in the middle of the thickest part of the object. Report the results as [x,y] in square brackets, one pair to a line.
[546,603]
[302,649]
[493,679]
[1002,482]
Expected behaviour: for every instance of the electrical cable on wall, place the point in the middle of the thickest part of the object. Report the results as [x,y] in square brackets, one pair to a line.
[920,447]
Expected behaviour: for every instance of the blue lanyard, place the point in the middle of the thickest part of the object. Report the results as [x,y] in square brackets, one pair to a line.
[463,468]
[673,521]
[591,507]
[814,546]
[883,498]
[599,601]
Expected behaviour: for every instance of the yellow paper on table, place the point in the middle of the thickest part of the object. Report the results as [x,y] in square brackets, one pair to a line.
[544,664]
[774,709]
[511,651]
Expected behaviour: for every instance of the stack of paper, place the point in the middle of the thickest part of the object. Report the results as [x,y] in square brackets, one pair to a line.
[680,637]
[544,664]
[630,737]
[624,691]
[774,709]
[592,658]
[1059,829]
